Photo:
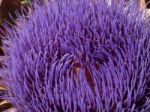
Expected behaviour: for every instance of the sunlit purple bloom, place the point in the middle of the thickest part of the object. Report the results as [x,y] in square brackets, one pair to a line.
[79,56]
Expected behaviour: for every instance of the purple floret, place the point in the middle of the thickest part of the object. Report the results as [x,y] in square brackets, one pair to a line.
[79,56]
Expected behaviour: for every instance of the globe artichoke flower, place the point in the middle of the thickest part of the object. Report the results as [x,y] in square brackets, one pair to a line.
[7,8]
[79,56]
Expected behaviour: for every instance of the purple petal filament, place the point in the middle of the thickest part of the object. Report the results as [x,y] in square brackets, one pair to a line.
[79,56]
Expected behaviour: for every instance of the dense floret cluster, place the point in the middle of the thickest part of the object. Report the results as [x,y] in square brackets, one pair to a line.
[79,56]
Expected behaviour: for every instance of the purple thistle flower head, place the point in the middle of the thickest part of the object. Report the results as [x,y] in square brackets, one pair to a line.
[79,56]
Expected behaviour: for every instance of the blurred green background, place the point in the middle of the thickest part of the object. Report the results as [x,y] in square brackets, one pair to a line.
[8,7]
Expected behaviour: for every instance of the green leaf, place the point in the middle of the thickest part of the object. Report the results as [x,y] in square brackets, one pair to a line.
[25,2]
